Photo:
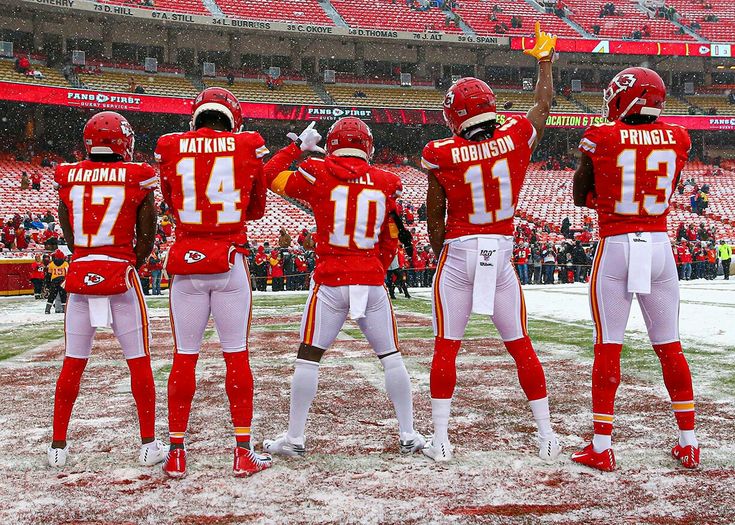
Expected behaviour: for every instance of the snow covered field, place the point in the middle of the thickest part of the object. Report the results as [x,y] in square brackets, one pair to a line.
[352,472]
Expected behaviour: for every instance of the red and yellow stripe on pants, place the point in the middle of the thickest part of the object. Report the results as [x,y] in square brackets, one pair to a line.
[438,308]
[310,324]
[143,315]
[594,302]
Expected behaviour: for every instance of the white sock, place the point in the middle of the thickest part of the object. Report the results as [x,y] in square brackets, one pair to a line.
[540,410]
[601,442]
[687,437]
[303,389]
[398,386]
[440,416]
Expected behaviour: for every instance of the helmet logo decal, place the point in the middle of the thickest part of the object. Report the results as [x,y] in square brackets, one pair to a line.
[619,84]
[449,99]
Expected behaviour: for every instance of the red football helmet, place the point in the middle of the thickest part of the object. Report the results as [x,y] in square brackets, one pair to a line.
[634,91]
[350,137]
[109,133]
[469,102]
[220,100]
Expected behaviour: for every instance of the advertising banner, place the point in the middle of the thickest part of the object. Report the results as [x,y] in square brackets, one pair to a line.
[101,100]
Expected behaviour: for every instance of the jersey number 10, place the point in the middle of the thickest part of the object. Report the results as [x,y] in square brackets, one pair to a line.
[365,199]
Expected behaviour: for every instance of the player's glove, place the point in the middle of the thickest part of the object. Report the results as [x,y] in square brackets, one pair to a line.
[308,140]
[545,48]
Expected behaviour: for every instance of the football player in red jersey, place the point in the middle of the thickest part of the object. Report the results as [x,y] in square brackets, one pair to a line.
[628,171]
[107,213]
[475,178]
[212,180]
[356,239]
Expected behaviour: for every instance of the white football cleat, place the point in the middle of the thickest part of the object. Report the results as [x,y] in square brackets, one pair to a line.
[152,453]
[285,446]
[57,456]
[548,448]
[410,443]
[439,452]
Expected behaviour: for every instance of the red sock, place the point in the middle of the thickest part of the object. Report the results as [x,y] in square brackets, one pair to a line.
[144,393]
[182,385]
[605,381]
[239,387]
[443,368]
[530,371]
[67,389]
[678,381]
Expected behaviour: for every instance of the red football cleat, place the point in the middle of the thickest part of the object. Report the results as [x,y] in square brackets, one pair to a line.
[688,456]
[248,462]
[604,460]
[175,464]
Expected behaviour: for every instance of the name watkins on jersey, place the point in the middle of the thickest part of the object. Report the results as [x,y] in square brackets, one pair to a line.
[97,175]
[207,145]
[483,150]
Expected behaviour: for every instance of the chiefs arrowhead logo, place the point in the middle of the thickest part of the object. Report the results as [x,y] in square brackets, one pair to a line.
[193,256]
[92,279]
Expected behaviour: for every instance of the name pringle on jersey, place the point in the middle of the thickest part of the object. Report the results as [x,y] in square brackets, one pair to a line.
[97,175]
[482,151]
[207,145]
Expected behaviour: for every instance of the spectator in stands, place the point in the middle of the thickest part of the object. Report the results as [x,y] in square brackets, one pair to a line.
[724,252]
[230,78]
[56,270]
[38,272]
[156,266]
[276,266]
[693,201]
[409,215]
[21,241]
[646,31]
[566,225]
[548,256]
[167,227]
[702,202]
[536,264]
[36,182]
[681,232]
[711,271]
[522,255]
[25,182]
[260,269]
[284,239]
[144,272]
[562,259]
[686,262]
[22,65]
[579,260]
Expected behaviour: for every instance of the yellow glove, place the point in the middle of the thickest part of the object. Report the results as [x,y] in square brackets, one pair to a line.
[544,50]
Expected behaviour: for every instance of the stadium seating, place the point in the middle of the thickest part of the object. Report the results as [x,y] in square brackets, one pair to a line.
[390,97]
[719,31]
[257,91]
[628,19]
[154,84]
[278,213]
[299,11]
[707,102]
[195,7]
[51,77]
[478,14]
[524,100]
[13,200]
[392,15]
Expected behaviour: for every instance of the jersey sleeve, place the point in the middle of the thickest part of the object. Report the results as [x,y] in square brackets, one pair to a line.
[261,150]
[58,175]
[430,157]
[284,181]
[147,179]
[592,141]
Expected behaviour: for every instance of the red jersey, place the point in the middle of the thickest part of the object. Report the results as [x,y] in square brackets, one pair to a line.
[482,180]
[212,181]
[103,200]
[636,169]
[355,238]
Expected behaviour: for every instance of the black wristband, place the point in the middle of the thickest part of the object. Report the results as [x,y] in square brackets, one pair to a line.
[298,142]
